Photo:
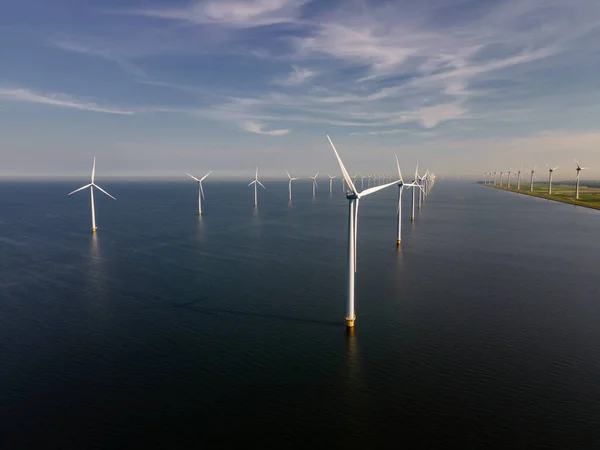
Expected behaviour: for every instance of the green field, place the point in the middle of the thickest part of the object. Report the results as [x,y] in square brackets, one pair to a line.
[588,196]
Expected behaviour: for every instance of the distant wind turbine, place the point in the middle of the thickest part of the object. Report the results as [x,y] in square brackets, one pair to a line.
[93,185]
[200,190]
[550,171]
[314,183]
[519,178]
[531,179]
[331,177]
[353,197]
[579,169]
[290,184]
[256,182]
[508,183]
[401,187]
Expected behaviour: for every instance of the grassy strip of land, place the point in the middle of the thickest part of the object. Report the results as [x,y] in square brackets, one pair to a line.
[588,197]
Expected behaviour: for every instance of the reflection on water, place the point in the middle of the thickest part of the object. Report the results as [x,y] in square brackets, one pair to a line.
[352,379]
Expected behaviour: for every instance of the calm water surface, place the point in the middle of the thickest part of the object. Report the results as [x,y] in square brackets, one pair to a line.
[227,330]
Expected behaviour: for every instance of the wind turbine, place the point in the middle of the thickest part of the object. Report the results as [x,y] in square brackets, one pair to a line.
[200,190]
[415,181]
[508,185]
[314,183]
[362,181]
[331,177]
[353,197]
[531,179]
[579,169]
[290,183]
[255,182]
[93,185]
[550,170]
[401,186]
[519,179]
[501,175]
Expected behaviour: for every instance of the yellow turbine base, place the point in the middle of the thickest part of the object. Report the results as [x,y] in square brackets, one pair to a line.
[398,242]
[412,219]
[199,213]
[350,322]
[94,230]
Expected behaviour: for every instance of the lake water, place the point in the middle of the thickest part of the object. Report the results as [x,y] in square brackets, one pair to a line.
[483,329]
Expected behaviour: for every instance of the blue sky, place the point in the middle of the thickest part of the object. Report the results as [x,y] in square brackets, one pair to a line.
[156,87]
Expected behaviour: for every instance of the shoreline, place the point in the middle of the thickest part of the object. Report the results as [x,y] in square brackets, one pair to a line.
[566,200]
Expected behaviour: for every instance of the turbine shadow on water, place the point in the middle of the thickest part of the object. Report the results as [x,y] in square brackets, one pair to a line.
[219,312]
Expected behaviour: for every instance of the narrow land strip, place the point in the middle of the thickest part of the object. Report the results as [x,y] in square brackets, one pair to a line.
[588,198]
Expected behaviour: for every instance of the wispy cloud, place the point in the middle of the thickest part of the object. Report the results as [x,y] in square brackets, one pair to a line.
[233,13]
[62,100]
[297,76]
[255,127]
[109,55]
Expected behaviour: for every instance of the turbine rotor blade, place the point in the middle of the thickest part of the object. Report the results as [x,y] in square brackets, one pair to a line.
[81,188]
[204,177]
[398,166]
[261,185]
[94,170]
[376,188]
[201,189]
[252,182]
[102,190]
[193,177]
[344,171]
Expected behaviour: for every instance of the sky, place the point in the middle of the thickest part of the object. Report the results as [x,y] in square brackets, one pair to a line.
[160,88]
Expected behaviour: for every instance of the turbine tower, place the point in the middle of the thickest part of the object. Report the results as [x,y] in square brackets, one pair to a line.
[290,184]
[550,170]
[200,190]
[508,185]
[579,169]
[256,182]
[314,183]
[531,179]
[353,197]
[519,178]
[501,175]
[93,185]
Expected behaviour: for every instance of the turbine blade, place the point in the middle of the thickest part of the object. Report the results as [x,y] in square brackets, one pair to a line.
[288,174]
[398,166]
[252,182]
[370,191]
[554,168]
[192,176]
[102,190]
[344,171]
[261,185]
[201,189]
[94,170]
[81,188]
[204,177]
[256,176]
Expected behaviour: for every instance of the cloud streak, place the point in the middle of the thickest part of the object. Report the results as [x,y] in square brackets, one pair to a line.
[258,128]
[60,100]
[232,13]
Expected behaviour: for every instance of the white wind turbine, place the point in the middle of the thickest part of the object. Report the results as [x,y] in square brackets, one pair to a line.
[93,185]
[200,190]
[290,184]
[353,197]
[508,183]
[501,175]
[331,177]
[362,181]
[579,169]
[314,183]
[550,171]
[519,178]
[401,187]
[413,185]
[531,179]
[255,182]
